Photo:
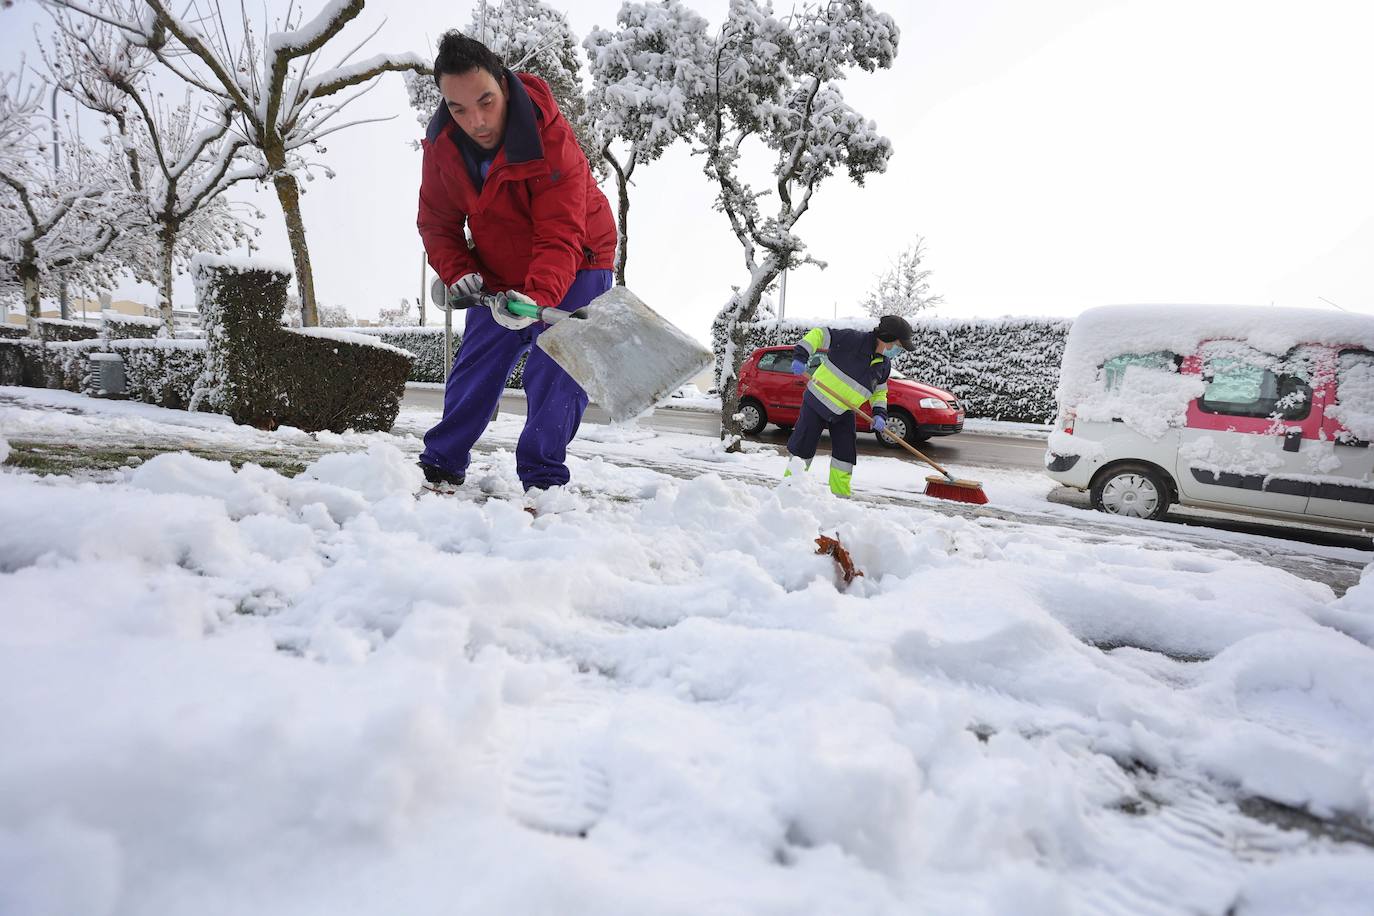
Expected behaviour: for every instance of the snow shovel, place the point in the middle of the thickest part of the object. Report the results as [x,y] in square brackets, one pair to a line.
[947,487]
[625,355]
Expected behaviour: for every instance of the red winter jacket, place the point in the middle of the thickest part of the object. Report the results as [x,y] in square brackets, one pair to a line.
[539,218]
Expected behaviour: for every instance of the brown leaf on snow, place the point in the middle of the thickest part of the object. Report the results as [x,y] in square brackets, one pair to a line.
[833,547]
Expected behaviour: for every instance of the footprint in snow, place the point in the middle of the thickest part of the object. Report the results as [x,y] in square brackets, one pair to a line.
[558,791]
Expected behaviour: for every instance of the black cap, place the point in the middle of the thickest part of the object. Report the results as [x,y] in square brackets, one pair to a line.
[894,327]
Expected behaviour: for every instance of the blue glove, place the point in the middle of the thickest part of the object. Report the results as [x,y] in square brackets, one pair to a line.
[879,424]
[798,367]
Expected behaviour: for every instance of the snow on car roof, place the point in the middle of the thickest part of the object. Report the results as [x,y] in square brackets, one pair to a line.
[1101,333]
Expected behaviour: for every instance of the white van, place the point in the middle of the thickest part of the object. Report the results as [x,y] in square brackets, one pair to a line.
[1265,410]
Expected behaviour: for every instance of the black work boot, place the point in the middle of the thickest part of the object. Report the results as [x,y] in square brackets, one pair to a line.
[436,476]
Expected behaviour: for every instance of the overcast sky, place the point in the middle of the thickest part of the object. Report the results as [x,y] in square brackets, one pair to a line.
[1056,156]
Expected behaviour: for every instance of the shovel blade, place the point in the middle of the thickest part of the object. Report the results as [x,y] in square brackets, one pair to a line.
[625,355]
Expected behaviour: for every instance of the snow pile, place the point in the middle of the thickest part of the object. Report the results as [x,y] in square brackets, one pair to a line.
[4,450]
[280,695]
[1353,614]
[381,472]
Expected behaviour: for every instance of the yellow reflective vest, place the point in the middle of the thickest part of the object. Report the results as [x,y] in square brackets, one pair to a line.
[849,367]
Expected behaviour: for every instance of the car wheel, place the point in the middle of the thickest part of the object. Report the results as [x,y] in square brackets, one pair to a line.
[753,418]
[900,425]
[1132,490]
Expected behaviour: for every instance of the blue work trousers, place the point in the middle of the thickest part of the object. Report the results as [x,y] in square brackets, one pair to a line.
[844,444]
[554,401]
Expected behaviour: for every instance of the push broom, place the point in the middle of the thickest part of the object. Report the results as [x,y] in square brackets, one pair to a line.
[946,487]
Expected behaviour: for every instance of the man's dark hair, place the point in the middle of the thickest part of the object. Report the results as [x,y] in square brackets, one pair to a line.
[459,54]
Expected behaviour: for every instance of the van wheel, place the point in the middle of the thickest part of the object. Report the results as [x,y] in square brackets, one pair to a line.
[753,418]
[1132,490]
[900,425]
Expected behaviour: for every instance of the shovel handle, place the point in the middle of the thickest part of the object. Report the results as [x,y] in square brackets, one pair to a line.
[542,313]
[902,442]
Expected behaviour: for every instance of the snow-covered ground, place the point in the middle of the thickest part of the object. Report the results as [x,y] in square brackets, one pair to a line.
[232,691]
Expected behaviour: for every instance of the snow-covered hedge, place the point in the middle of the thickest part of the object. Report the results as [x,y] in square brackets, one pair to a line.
[118,326]
[12,362]
[22,363]
[61,329]
[1003,368]
[13,331]
[265,375]
[46,365]
[425,344]
[161,372]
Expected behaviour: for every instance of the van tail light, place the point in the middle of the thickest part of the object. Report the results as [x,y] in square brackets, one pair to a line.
[1069,417]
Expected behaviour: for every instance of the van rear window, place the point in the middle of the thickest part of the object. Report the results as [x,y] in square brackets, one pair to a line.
[1114,369]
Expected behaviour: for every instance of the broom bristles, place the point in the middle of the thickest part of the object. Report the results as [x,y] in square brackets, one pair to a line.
[962,491]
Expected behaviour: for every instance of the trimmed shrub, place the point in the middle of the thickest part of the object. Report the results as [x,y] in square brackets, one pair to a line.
[56,330]
[65,364]
[1004,368]
[161,372]
[262,374]
[425,344]
[13,331]
[335,383]
[118,326]
[21,363]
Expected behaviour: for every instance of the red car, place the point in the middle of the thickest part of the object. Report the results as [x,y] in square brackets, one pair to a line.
[770,393]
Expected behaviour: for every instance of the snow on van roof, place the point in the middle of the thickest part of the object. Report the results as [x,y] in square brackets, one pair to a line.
[1101,333]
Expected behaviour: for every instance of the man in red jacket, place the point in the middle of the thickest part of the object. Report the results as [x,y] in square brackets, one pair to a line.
[500,159]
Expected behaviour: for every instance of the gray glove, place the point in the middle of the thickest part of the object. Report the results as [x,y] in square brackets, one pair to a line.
[503,316]
[468,286]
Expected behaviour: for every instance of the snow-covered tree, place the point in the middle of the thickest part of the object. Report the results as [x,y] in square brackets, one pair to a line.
[532,36]
[424,96]
[771,84]
[335,316]
[904,288]
[281,105]
[55,217]
[399,316]
[179,160]
[649,80]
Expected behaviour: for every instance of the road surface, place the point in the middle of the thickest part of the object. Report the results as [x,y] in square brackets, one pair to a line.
[968,448]
[965,448]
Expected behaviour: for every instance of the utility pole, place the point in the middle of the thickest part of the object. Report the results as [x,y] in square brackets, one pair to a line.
[424,266]
[782,295]
[56,167]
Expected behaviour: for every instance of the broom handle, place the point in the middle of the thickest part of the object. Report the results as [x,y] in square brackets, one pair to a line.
[901,442]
